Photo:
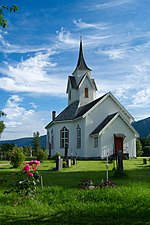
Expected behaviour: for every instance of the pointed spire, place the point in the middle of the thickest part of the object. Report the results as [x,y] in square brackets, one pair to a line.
[81,65]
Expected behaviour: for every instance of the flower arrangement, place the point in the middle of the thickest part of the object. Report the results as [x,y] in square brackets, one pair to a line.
[25,186]
[30,168]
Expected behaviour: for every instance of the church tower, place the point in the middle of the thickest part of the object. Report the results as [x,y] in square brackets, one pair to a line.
[81,87]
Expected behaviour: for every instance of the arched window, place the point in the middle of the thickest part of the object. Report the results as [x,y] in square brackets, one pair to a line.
[64,137]
[95,142]
[86,92]
[78,137]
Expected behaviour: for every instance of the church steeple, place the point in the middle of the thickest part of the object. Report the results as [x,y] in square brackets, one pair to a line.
[81,87]
[81,64]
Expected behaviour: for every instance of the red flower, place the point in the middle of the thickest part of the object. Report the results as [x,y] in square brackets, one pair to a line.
[33,167]
[26,168]
[31,162]
[30,174]
[37,162]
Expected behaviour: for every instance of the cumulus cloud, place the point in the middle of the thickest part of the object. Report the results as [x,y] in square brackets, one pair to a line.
[142,97]
[33,75]
[16,114]
[22,122]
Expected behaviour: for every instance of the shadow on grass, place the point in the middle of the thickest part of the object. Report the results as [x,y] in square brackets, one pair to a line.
[82,217]
[72,179]
[69,178]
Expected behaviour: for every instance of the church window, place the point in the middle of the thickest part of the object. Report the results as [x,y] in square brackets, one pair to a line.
[69,95]
[86,92]
[95,142]
[64,137]
[78,137]
[52,139]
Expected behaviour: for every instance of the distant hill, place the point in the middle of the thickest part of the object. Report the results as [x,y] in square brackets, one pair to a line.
[142,127]
[26,141]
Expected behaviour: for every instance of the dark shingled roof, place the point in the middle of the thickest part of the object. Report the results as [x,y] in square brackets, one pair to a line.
[94,84]
[72,111]
[73,82]
[68,113]
[81,65]
[103,124]
[83,109]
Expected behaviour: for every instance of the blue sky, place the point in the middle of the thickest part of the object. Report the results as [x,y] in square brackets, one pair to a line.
[40,47]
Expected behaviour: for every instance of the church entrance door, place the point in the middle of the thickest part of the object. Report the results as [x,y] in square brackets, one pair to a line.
[118,142]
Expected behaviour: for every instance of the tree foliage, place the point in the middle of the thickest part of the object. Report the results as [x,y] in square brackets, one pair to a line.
[147,141]
[41,155]
[2,125]
[139,151]
[36,142]
[17,157]
[146,151]
[6,149]
[3,10]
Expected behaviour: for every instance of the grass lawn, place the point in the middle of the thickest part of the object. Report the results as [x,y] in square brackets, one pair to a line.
[63,202]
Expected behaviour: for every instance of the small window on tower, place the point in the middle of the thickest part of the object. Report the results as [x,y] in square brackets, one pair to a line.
[69,95]
[86,92]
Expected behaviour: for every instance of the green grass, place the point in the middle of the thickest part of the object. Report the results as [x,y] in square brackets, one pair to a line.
[62,202]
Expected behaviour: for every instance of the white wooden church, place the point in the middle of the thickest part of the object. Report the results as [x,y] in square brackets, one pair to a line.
[91,127]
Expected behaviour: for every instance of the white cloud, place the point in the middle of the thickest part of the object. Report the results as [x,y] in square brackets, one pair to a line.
[33,105]
[64,36]
[33,75]
[21,122]
[7,47]
[82,25]
[109,4]
[114,53]
[16,114]
[142,97]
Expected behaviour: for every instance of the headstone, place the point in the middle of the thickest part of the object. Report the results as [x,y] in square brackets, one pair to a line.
[74,161]
[59,163]
[120,162]
[69,162]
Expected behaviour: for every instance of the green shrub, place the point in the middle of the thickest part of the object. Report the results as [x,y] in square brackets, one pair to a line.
[41,155]
[17,157]
[56,155]
[146,151]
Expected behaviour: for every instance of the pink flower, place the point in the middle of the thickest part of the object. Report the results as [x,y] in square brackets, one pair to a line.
[37,162]
[30,174]
[31,162]
[33,167]
[24,163]
[26,168]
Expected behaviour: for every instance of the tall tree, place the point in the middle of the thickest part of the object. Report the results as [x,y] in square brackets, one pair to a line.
[147,142]
[2,125]
[36,141]
[3,10]
[139,151]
